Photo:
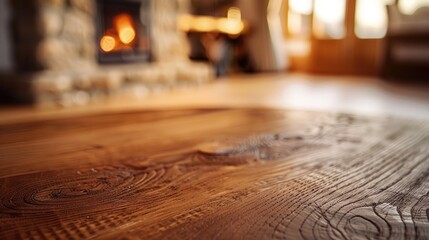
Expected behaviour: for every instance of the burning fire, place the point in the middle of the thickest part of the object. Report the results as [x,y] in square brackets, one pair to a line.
[124,26]
[121,36]
[108,43]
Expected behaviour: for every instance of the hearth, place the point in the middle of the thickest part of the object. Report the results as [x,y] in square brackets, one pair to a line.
[123,31]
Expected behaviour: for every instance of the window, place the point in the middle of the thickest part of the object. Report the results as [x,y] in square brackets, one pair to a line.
[304,7]
[299,17]
[329,19]
[370,18]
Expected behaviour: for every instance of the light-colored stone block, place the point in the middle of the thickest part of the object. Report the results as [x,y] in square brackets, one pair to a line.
[51,82]
[50,22]
[87,6]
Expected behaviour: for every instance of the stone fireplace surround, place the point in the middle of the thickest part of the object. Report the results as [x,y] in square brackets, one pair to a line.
[55,51]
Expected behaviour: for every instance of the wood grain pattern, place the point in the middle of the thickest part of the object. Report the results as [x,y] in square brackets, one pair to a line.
[215,174]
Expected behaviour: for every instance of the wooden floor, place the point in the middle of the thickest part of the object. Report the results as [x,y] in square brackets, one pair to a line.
[356,95]
[214,174]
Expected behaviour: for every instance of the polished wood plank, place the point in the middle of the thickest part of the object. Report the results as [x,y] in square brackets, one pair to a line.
[215,174]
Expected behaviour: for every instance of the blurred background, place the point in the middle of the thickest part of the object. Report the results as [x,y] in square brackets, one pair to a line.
[369,56]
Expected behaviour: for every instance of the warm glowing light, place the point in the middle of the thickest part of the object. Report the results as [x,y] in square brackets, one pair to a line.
[229,26]
[127,35]
[329,18]
[125,27]
[371,19]
[411,6]
[204,24]
[234,13]
[107,43]
[301,6]
[232,24]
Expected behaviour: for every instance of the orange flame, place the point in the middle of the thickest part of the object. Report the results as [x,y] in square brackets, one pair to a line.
[121,36]
[124,26]
[108,43]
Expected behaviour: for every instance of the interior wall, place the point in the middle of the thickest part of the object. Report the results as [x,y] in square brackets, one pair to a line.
[6,62]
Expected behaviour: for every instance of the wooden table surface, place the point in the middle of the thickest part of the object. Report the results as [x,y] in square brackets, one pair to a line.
[215,174]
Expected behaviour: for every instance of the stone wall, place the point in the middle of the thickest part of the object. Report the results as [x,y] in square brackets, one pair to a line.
[54,34]
[55,54]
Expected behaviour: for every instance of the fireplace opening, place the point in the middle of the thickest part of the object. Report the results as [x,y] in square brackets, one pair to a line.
[123,33]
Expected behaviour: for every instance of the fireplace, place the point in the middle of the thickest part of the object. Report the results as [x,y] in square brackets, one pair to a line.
[73,52]
[123,31]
